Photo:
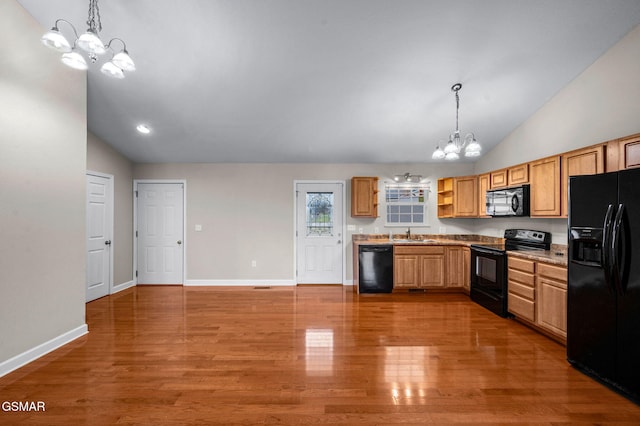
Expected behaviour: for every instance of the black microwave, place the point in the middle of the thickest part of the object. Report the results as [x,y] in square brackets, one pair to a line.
[508,202]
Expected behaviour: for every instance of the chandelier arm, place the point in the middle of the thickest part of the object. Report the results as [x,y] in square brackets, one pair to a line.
[55,25]
[124,45]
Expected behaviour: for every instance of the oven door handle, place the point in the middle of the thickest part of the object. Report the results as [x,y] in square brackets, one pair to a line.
[485,251]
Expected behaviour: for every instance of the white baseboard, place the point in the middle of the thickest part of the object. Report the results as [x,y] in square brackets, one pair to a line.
[32,354]
[238,283]
[123,286]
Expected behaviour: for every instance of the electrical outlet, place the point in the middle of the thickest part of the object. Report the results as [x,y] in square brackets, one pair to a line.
[351,227]
[376,230]
[254,263]
[360,231]
[443,230]
[198,228]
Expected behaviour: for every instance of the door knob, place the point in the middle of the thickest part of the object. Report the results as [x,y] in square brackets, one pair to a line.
[107,243]
[179,241]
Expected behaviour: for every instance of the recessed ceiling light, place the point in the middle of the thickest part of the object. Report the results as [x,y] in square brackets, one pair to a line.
[143,128]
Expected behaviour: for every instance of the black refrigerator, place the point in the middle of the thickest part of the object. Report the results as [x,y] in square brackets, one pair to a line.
[603,299]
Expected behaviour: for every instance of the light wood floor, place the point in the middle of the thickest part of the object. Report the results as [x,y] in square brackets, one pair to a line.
[305,355]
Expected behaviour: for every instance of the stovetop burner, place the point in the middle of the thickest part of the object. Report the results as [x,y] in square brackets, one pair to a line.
[520,239]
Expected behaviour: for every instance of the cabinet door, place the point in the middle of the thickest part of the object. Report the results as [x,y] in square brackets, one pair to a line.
[455,267]
[629,152]
[484,182]
[405,271]
[588,161]
[432,270]
[466,264]
[545,187]
[499,179]
[465,194]
[364,197]
[518,175]
[552,305]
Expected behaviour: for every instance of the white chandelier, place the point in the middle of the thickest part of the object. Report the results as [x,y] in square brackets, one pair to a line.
[455,145]
[91,44]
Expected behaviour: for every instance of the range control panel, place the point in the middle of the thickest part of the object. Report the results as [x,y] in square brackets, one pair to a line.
[527,235]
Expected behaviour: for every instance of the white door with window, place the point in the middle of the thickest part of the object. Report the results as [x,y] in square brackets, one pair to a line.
[160,229]
[99,234]
[319,240]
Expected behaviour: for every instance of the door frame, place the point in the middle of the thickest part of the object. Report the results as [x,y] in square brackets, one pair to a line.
[344,224]
[110,221]
[184,222]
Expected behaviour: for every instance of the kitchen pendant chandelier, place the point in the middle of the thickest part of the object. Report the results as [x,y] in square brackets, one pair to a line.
[90,43]
[455,145]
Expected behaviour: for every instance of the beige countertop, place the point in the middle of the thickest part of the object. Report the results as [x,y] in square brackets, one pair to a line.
[557,255]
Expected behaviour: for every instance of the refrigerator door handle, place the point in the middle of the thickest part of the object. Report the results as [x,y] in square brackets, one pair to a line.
[615,249]
[606,243]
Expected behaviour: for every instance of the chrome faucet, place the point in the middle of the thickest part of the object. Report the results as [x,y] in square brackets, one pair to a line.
[408,233]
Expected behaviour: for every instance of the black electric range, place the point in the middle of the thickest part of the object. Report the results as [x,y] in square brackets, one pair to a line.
[489,266]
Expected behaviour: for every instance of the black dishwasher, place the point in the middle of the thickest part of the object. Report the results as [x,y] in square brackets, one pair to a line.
[376,269]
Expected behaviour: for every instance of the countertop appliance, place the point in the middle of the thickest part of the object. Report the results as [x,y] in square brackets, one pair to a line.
[508,202]
[603,300]
[375,273]
[489,266]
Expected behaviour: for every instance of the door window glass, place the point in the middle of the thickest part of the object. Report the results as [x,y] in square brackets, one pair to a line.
[319,213]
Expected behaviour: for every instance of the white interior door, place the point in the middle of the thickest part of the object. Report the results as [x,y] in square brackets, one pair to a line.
[160,223]
[99,235]
[319,222]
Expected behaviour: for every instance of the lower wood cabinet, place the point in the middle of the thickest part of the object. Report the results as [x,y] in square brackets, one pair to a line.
[537,294]
[418,267]
[427,266]
[551,283]
[455,272]
[521,288]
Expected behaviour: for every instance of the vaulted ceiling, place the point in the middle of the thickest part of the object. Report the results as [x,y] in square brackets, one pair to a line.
[332,80]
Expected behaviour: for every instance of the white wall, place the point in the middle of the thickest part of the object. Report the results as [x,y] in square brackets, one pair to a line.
[43,140]
[601,104]
[101,157]
[247,212]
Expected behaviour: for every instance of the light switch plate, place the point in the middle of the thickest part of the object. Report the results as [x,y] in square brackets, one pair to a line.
[198,228]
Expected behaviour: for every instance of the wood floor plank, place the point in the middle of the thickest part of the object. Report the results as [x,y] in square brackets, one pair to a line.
[305,355]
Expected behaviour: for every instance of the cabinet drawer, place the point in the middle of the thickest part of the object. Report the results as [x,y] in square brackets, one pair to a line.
[418,249]
[522,264]
[521,308]
[557,273]
[521,277]
[522,290]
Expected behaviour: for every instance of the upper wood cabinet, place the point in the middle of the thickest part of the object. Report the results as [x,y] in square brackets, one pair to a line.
[484,184]
[623,153]
[518,175]
[545,187]
[465,196]
[586,161]
[445,197]
[364,196]
[499,179]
